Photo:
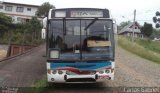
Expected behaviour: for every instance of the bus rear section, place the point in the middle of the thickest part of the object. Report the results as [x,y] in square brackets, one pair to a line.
[80,45]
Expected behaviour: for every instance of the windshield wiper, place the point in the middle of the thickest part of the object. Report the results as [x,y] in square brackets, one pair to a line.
[91,23]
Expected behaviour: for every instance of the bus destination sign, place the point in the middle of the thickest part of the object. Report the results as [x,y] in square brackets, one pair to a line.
[86,14]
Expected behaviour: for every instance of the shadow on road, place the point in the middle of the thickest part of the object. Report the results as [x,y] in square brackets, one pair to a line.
[80,88]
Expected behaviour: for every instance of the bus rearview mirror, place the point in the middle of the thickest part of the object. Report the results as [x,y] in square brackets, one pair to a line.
[115,28]
[43,33]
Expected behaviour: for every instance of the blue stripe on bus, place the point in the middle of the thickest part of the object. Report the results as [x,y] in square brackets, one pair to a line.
[81,66]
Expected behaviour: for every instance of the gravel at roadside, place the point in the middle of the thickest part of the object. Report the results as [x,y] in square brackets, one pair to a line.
[134,71]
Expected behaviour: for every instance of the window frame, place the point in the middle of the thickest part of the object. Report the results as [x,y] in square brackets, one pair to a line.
[19,19]
[1,6]
[19,9]
[8,8]
[29,9]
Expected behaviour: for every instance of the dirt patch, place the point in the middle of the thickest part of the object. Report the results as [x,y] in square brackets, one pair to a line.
[3,54]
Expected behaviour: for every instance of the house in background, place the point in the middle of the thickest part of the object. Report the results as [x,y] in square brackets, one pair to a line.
[128,30]
[20,13]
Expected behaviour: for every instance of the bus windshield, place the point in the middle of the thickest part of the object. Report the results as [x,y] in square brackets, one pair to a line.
[82,39]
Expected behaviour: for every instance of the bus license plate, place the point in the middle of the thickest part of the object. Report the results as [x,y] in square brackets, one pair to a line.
[102,77]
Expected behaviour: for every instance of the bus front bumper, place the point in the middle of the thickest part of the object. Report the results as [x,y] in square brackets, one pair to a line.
[79,78]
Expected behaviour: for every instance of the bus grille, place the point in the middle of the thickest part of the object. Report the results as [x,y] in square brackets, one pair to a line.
[80,72]
[81,80]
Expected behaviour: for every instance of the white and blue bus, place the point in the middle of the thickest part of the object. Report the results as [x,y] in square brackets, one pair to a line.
[80,45]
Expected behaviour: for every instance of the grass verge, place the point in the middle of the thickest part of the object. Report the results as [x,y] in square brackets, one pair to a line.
[139,50]
[149,44]
[40,86]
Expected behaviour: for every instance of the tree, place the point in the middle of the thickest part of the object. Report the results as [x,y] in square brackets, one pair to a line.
[155,34]
[5,23]
[27,33]
[156,19]
[44,9]
[34,26]
[147,29]
[20,33]
[123,24]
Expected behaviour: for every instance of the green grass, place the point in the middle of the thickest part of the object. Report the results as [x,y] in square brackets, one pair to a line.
[141,49]
[148,44]
[40,86]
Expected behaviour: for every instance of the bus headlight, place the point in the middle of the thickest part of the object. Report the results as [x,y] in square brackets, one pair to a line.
[107,71]
[54,54]
[54,71]
[101,72]
[60,72]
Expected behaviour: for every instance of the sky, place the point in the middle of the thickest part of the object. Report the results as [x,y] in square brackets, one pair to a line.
[121,10]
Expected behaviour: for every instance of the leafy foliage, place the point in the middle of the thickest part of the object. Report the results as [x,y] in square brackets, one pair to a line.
[147,29]
[5,23]
[123,24]
[34,27]
[44,9]
[26,33]
[155,34]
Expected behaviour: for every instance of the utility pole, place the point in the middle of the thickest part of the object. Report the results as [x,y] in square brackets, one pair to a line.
[133,25]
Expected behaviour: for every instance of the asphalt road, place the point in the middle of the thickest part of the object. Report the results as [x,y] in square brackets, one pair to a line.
[25,70]
[131,71]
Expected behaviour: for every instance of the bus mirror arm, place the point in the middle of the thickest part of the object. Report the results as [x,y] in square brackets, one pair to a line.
[44,22]
[90,24]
